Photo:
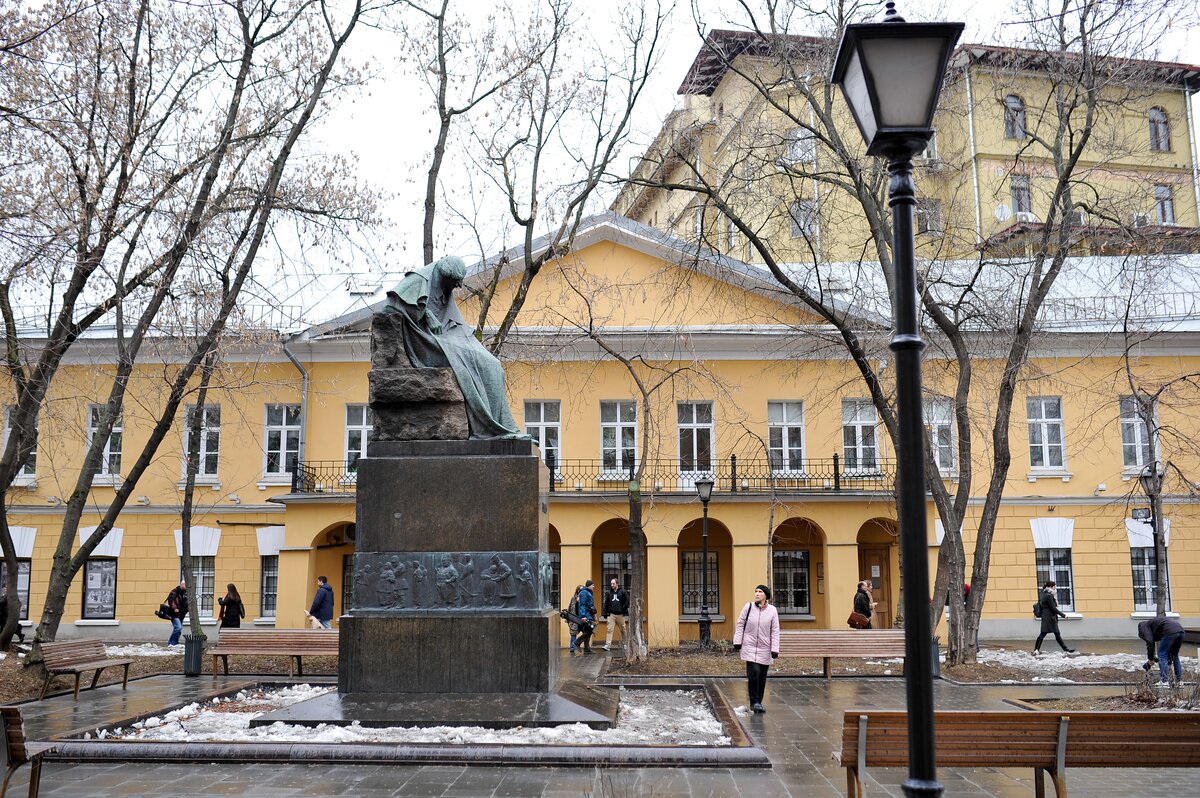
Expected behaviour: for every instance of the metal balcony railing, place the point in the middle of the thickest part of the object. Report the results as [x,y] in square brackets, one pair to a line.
[759,476]
[325,476]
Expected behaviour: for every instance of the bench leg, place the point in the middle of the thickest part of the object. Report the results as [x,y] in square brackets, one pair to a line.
[225,664]
[125,678]
[35,775]
[853,785]
[299,667]
[828,669]
[96,678]
[8,775]
[77,675]
[45,687]
[1039,782]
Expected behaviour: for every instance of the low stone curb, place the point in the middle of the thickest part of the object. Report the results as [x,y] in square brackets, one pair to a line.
[419,754]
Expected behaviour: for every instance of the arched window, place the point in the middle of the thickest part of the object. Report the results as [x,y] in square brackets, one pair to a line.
[1160,130]
[1014,117]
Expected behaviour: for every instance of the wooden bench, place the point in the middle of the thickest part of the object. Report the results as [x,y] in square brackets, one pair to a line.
[296,643]
[18,752]
[1048,742]
[829,643]
[77,657]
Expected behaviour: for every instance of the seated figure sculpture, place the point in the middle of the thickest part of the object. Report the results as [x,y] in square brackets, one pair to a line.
[436,336]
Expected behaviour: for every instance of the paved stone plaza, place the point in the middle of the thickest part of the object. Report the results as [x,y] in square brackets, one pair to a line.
[799,732]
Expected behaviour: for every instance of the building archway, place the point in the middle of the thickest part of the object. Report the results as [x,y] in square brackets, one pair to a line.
[332,557]
[878,563]
[721,601]
[798,573]
[554,547]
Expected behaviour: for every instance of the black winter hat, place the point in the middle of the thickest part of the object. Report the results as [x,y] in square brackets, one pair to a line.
[766,591]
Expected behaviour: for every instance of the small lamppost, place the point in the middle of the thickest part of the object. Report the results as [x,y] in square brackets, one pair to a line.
[1151,479]
[891,75]
[704,491]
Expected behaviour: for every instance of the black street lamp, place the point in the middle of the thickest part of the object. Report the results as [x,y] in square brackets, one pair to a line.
[1151,480]
[704,489]
[891,75]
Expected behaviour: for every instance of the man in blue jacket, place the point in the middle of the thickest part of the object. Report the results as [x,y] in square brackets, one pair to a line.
[322,606]
[587,612]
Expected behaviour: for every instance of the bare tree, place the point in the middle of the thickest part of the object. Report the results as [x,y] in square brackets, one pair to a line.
[170,130]
[788,145]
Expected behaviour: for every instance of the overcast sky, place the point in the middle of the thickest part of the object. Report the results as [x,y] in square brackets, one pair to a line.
[386,129]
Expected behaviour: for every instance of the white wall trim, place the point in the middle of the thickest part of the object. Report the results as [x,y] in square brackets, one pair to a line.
[270,540]
[23,538]
[1052,533]
[205,541]
[1142,537]
[109,547]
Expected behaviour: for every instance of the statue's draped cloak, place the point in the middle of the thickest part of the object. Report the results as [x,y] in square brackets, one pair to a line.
[432,343]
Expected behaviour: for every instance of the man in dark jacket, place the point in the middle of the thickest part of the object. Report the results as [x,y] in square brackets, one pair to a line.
[587,612]
[322,606]
[1050,615]
[616,612]
[1168,634]
[177,607]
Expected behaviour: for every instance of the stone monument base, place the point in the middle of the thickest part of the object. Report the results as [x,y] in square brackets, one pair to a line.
[572,703]
[436,652]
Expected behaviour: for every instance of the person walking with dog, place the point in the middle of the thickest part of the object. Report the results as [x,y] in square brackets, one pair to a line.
[757,638]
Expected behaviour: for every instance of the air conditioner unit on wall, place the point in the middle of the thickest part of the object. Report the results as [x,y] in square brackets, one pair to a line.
[1141,219]
[1024,216]
[1077,218]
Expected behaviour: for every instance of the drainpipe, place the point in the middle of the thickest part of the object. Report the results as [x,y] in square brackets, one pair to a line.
[1187,103]
[974,155]
[303,399]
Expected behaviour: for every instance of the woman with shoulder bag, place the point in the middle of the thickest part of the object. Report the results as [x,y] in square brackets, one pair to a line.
[757,638]
[232,609]
[863,605]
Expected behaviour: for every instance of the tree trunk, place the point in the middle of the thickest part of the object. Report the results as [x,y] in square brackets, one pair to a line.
[635,643]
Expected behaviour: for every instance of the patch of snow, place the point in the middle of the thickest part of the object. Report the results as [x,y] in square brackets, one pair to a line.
[1052,663]
[143,650]
[644,717]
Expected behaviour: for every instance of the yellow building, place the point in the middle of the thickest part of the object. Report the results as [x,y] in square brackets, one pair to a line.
[749,391]
[739,385]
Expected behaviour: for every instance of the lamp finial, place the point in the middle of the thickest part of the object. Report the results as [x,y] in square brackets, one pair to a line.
[892,15]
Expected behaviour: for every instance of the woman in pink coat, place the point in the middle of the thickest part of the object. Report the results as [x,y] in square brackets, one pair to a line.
[757,637]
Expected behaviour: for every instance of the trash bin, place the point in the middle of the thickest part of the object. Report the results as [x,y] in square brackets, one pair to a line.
[193,654]
[937,661]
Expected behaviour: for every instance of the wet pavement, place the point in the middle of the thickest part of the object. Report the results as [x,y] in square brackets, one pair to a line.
[800,731]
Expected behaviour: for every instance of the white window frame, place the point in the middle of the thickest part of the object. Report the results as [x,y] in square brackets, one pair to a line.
[855,421]
[1021,193]
[363,428]
[1160,130]
[939,425]
[1044,424]
[929,217]
[731,237]
[1164,204]
[537,428]
[27,473]
[1149,568]
[203,476]
[797,562]
[687,478]
[202,585]
[1015,120]
[24,573]
[800,147]
[618,427]
[283,429]
[110,459]
[1057,565]
[785,417]
[263,593]
[1135,437]
[803,221]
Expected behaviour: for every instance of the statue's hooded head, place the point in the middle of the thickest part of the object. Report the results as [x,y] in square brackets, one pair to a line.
[453,268]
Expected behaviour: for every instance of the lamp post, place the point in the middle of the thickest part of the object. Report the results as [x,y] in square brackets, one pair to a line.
[891,75]
[1151,480]
[704,489]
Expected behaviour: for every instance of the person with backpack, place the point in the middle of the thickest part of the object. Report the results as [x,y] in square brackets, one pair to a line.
[1047,609]
[177,607]
[587,616]
[571,616]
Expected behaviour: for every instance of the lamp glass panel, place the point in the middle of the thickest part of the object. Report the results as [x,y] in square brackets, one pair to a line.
[854,86]
[907,73]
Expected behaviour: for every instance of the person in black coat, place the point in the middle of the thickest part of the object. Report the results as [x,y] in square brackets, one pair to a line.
[232,609]
[177,607]
[863,604]
[1050,615]
[1168,634]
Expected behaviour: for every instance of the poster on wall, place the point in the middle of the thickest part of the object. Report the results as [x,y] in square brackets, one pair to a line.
[100,595]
